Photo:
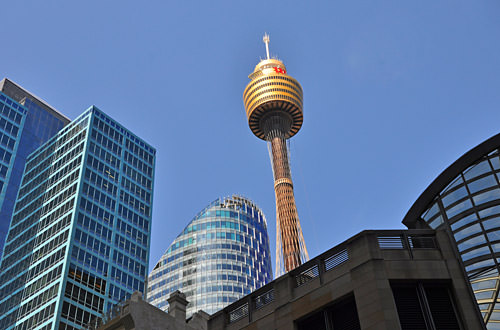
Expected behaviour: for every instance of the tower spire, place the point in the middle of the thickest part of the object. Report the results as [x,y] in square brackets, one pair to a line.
[273,103]
[266,41]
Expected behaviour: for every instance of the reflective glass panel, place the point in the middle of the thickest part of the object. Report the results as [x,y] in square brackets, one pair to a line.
[431,212]
[495,247]
[484,306]
[493,325]
[464,221]
[436,222]
[495,316]
[487,196]
[478,265]
[478,240]
[488,284]
[492,272]
[468,231]
[484,295]
[494,235]
[476,253]
[489,211]
[495,162]
[454,183]
[483,183]
[454,196]
[491,223]
[481,168]
[459,208]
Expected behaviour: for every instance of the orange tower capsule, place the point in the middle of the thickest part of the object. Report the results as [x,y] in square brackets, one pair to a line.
[273,103]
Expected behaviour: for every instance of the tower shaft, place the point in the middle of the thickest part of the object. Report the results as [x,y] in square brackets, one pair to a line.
[286,210]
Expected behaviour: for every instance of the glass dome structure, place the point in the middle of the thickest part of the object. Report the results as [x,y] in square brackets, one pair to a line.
[220,256]
[465,200]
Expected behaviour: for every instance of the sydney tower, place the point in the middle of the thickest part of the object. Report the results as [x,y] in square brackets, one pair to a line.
[273,103]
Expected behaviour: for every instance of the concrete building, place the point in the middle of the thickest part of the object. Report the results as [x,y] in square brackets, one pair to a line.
[390,279]
[222,255]
[26,122]
[78,242]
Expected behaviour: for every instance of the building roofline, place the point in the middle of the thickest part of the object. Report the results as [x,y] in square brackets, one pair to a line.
[444,179]
[35,98]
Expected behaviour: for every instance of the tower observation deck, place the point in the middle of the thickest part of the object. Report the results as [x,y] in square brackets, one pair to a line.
[273,104]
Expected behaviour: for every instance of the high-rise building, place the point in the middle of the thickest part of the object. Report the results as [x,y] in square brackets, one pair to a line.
[26,122]
[273,103]
[221,255]
[79,237]
[465,201]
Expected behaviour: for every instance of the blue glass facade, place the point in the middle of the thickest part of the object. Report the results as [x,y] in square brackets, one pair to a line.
[79,237]
[221,255]
[25,124]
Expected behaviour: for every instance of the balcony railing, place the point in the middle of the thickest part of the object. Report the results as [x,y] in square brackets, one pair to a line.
[329,261]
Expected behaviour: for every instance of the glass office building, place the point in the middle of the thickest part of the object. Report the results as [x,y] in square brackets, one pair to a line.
[465,199]
[221,255]
[79,237]
[26,122]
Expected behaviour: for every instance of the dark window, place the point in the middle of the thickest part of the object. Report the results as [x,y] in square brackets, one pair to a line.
[424,305]
[342,315]
[345,316]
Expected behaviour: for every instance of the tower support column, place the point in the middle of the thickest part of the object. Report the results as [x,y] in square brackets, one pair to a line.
[286,210]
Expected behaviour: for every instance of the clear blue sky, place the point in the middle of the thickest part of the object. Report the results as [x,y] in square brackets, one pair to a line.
[394,92]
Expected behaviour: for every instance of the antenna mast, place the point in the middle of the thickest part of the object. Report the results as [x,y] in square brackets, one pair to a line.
[266,41]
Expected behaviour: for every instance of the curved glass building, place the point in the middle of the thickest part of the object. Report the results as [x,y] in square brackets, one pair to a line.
[465,199]
[221,255]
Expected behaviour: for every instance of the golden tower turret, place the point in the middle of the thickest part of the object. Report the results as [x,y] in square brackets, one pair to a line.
[273,104]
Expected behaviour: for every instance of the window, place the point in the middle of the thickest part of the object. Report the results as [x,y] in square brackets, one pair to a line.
[343,315]
[423,306]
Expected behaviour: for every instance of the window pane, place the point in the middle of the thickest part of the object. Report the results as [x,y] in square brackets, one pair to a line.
[491,223]
[480,264]
[494,235]
[489,211]
[488,284]
[476,253]
[462,222]
[431,212]
[472,242]
[474,229]
[454,196]
[484,295]
[495,162]
[436,222]
[482,183]
[494,316]
[459,208]
[456,182]
[495,247]
[478,169]
[487,196]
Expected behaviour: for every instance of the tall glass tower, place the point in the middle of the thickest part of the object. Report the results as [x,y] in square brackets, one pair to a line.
[26,122]
[79,237]
[221,255]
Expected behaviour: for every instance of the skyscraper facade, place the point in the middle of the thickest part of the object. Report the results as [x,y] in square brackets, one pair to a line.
[26,122]
[79,237]
[221,255]
[465,200]
[273,103]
